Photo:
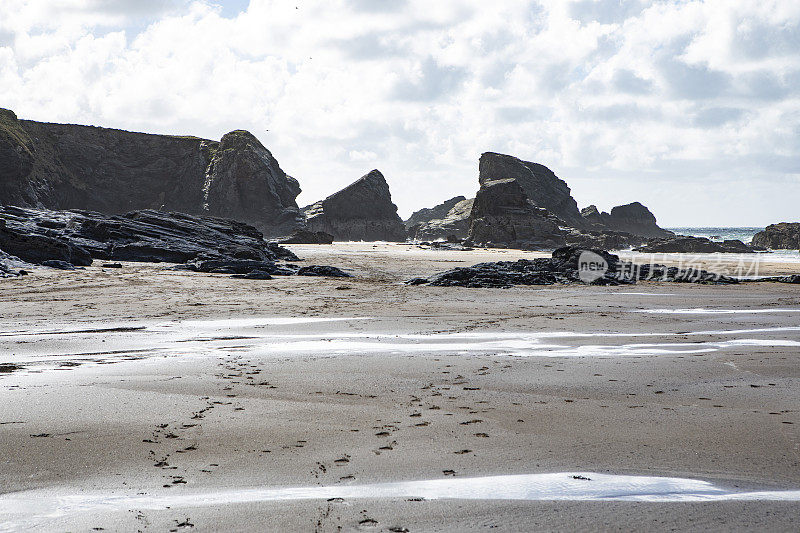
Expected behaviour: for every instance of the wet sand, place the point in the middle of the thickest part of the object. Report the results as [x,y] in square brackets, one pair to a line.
[418,383]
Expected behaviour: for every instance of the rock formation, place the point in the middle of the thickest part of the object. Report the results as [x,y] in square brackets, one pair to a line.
[539,183]
[432,213]
[565,267]
[522,204]
[694,245]
[362,211]
[504,215]
[304,236]
[453,224]
[64,166]
[785,235]
[633,218]
[77,237]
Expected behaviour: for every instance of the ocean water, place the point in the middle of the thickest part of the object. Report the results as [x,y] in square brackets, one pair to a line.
[744,234]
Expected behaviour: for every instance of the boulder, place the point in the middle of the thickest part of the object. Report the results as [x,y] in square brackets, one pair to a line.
[783,236]
[633,218]
[455,223]
[694,245]
[362,211]
[65,166]
[503,215]
[322,270]
[539,183]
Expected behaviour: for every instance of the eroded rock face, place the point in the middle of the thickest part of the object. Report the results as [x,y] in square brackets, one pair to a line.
[454,224]
[304,236]
[633,218]
[432,213]
[539,183]
[783,236]
[65,166]
[503,215]
[77,237]
[362,211]
[244,182]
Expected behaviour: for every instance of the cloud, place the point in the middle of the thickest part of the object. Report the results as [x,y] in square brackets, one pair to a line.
[620,98]
[428,80]
[712,117]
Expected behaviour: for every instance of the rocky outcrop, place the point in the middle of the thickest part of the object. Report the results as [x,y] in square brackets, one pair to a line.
[77,237]
[304,236]
[783,236]
[694,245]
[64,166]
[565,266]
[503,215]
[633,218]
[539,183]
[454,224]
[605,240]
[432,213]
[362,211]
[12,266]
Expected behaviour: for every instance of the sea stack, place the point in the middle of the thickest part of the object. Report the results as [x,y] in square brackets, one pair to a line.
[448,219]
[633,218]
[362,211]
[542,187]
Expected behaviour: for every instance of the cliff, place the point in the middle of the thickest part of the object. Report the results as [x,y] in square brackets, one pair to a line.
[65,166]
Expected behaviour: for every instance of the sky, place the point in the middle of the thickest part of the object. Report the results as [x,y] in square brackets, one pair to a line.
[690,107]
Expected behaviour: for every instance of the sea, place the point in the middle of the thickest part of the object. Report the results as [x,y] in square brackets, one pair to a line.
[744,234]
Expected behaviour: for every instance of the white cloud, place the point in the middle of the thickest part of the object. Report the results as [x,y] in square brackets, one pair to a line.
[620,98]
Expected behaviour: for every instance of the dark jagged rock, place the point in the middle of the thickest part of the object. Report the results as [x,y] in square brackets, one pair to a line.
[783,236]
[255,274]
[304,236]
[503,215]
[37,235]
[455,223]
[244,182]
[694,245]
[540,184]
[432,213]
[362,211]
[12,266]
[64,166]
[60,265]
[237,266]
[633,218]
[321,270]
[242,268]
[446,245]
[39,247]
[565,266]
[606,240]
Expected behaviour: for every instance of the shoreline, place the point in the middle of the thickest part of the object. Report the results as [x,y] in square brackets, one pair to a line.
[433,370]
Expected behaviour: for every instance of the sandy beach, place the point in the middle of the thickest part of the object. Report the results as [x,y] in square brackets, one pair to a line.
[148,399]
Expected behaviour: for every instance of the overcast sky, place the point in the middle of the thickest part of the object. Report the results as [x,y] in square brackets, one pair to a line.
[692,108]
